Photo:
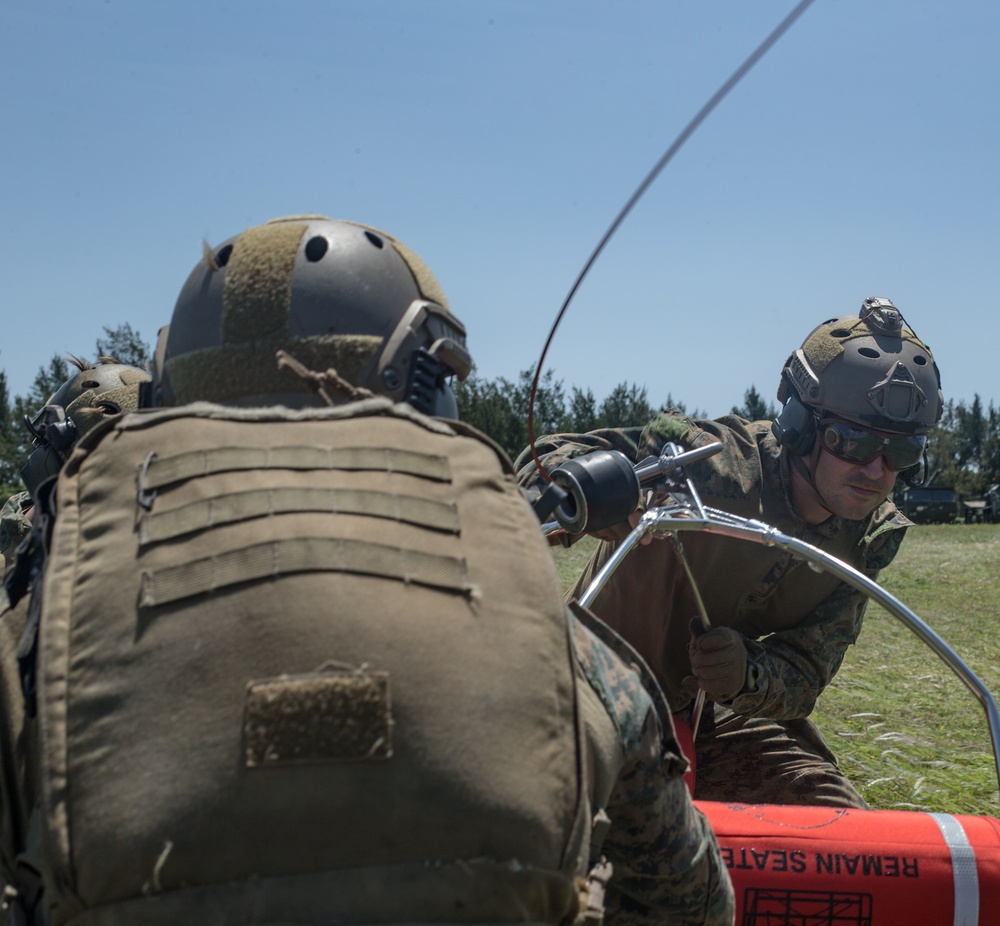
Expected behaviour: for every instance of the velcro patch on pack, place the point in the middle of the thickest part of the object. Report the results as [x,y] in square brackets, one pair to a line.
[336,716]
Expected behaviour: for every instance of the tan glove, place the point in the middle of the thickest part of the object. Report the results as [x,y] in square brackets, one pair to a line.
[718,662]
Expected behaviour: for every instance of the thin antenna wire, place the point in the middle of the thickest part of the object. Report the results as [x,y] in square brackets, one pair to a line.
[668,155]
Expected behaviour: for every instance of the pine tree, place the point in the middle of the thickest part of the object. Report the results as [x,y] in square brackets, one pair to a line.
[125,345]
[10,477]
[754,407]
[625,406]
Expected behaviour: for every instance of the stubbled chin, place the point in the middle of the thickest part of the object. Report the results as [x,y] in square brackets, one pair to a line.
[858,503]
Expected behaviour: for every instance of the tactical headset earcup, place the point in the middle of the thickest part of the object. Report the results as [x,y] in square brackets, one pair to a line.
[916,475]
[795,427]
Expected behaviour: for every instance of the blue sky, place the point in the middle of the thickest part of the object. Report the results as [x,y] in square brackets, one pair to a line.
[499,139]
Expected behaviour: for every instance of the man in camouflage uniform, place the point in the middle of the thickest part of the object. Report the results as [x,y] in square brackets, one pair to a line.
[667,866]
[859,397]
[15,522]
[95,392]
[357,321]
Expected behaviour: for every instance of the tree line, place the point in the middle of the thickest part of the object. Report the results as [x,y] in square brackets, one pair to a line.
[499,407]
[964,451]
[964,448]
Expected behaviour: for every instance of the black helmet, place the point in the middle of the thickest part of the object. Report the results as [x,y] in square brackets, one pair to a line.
[332,294]
[93,394]
[868,368]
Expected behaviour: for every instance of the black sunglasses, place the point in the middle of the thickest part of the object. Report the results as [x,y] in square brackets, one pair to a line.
[857,445]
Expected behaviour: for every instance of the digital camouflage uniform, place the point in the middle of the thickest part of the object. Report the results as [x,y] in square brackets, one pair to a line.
[798,623]
[16,737]
[667,866]
[14,524]
[17,744]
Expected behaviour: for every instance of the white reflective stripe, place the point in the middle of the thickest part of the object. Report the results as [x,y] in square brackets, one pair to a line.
[963,866]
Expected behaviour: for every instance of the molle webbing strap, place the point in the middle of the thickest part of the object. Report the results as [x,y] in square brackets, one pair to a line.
[163,471]
[241,506]
[301,554]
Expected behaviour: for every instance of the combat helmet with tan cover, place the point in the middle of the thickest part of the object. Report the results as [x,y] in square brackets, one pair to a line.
[93,394]
[331,296]
[870,369]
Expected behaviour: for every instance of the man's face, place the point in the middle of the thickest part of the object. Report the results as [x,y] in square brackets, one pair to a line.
[852,490]
[853,470]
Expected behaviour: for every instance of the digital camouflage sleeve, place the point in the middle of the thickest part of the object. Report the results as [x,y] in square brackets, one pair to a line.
[666,860]
[794,649]
[14,523]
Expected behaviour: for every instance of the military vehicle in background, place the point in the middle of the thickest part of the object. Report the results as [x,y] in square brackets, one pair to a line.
[985,510]
[992,513]
[930,504]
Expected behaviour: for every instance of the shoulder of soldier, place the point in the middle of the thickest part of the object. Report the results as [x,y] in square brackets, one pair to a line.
[734,433]
[745,456]
[555,449]
[671,426]
[18,502]
[616,672]
[467,430]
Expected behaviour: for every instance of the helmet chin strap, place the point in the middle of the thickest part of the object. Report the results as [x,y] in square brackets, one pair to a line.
[799,463]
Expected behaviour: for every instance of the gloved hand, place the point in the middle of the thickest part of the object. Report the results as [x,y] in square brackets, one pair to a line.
[718,661]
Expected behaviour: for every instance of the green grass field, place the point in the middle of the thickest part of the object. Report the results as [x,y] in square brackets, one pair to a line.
[905,728]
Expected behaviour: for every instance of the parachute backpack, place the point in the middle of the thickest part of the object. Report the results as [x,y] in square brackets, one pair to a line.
[284,672]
